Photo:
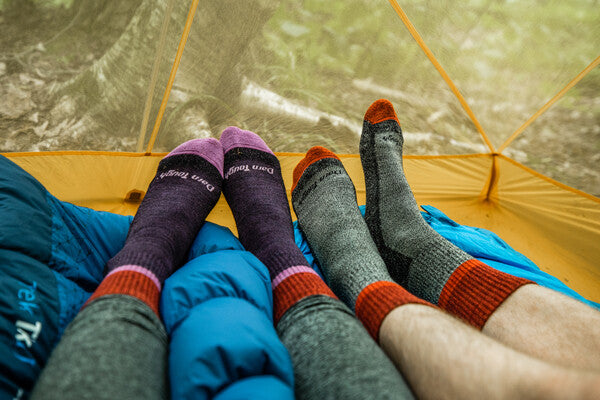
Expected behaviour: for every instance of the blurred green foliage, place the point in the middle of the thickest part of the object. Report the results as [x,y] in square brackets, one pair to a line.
[312,47]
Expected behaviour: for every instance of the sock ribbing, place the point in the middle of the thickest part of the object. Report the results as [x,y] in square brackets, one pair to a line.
[377,300]
[131,283]
[475,290]
[295,287]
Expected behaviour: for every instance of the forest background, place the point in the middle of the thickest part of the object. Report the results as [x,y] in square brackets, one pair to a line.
[75,75]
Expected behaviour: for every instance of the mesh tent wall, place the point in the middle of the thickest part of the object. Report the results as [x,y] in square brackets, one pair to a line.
[489,93]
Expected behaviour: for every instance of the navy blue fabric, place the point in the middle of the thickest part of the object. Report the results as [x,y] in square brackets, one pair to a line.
[52,255]
[219,320]
[480,243]
[29,305]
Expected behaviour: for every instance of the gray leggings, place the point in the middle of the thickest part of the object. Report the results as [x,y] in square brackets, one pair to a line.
[333,355]
[116,348]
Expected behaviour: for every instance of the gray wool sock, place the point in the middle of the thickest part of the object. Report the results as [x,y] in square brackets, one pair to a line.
[418,257]
[333,356]
[324,200]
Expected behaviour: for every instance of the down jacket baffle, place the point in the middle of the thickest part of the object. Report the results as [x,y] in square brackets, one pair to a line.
[218,311]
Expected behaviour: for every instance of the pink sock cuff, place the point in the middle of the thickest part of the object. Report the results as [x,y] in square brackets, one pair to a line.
[208,148]
[233,137]
[289,272]
[136,268]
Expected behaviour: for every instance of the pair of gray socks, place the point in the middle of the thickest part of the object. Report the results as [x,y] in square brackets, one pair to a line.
[392,256]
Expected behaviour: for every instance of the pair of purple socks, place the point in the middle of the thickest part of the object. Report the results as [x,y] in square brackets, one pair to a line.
[186,187]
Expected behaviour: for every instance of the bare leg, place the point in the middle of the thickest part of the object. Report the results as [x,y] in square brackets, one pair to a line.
[548,325]
[528,318]
[441,357]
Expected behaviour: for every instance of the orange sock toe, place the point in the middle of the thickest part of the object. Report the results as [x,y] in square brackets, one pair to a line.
[381,110]
[313,155]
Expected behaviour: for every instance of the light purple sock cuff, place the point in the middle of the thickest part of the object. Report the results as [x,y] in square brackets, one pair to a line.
[289,272]
[141,270]
[233,137]
[208,148]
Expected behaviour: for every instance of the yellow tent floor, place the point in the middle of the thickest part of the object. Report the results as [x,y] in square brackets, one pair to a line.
[557,227]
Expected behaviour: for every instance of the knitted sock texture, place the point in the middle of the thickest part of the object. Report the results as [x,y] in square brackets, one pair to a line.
[324,200]
[334,357]
[255,192]
[186,187]
[416,255]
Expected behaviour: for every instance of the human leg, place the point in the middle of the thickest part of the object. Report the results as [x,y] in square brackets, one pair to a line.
[548,325]
[440,356]
[332,354]
[116,347]
[119,326]
[418,257]
[536,320]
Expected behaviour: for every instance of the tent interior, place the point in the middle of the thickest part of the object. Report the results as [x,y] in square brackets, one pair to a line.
[497,100]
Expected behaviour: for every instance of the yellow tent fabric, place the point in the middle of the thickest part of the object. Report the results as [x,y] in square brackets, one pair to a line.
[555,226]
[475,77]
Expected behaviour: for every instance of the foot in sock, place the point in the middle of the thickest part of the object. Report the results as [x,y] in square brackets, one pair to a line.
[186,187]
[416,255]
[255,192]
[324,200]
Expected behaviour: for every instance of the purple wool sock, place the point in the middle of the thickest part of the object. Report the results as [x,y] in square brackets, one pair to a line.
[254,189]
[186,187]
[256,194]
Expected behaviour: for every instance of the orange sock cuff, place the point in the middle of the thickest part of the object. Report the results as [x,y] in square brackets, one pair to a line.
[381,110]
[377,300]
[475,290]
[313,155]
[294,288]
[129,283]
